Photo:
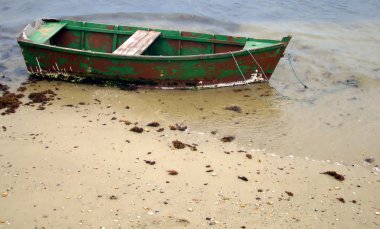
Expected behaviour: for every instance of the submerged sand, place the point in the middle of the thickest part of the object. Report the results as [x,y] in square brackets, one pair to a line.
[76,164]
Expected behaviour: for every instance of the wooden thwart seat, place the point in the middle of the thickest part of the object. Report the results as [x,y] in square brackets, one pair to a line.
[137,43]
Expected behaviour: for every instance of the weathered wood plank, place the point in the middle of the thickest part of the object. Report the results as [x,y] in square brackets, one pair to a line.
[137,43]
[46,31]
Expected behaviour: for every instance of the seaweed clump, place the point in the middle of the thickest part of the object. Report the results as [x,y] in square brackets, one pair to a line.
[136,129]
[153,124]
[234,108]
[4,88]
[334,174]
[178,144]
[227,139]
[10,101]
[42,97]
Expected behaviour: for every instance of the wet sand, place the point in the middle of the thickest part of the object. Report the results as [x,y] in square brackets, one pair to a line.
[77,164]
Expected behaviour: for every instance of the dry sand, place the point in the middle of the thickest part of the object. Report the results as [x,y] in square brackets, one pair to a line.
[76,164]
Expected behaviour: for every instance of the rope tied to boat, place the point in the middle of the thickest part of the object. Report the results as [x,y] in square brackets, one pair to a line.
[254,59]
[237,65]
[289,58]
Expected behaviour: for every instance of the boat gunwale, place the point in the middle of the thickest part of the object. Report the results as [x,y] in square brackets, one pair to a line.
[22,39]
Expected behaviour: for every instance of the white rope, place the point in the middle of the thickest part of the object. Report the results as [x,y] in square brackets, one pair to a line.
[266,78]
[237,65]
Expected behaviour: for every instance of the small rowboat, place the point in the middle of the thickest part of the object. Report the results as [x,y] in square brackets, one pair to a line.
[75,50]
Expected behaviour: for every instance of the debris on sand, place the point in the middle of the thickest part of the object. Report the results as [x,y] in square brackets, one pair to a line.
[243,178]
[150,162]
[192,147]
[227,139]
[4,87]
[126,122]
[234,108]
[21,89]
[249,156]
[153,124]
[4,128]
[214,132]
[341,199]
[178,144]
[113,197]
[136,129]
[11,102]
[160,129]
[172,172]
[41,97]
[177,126]
[128,87]
[289,193]
[334,174]
[369,160]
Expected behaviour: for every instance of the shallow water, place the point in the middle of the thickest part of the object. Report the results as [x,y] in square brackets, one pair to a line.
[332,43]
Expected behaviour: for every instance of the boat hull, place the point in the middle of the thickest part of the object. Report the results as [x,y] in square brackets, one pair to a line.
[222,69]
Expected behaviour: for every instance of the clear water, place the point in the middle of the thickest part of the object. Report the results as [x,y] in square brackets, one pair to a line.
[333,41]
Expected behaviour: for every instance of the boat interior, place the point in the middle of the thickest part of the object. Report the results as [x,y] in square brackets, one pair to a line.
[130,40]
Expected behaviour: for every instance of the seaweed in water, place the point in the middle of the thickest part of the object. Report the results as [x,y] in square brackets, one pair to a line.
[178,144]
[334,174]
[227,139]
[234,108]
[137,129]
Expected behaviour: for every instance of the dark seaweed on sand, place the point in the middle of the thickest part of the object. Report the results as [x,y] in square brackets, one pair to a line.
[234,108]
[41,97]
[150,162]
[153,124]
[3,87]
[178,144]
[289,193]
[136,129]
[334,174]
[11,102]
[341,199]
[243,178]
[172,172]
[227,139]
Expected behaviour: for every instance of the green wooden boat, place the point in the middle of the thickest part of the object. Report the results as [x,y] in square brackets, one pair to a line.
[74,50]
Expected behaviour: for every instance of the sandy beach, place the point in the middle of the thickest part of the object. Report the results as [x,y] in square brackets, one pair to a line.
[78,165]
